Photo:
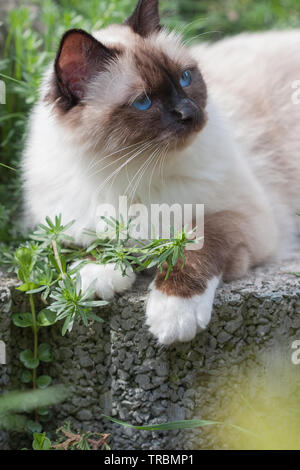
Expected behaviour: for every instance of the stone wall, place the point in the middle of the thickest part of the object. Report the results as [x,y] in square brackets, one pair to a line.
[119,370]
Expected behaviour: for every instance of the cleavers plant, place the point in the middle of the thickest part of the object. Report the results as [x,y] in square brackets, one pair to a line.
[48,268]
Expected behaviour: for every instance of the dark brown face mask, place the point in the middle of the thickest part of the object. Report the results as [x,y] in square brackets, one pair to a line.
[173,105]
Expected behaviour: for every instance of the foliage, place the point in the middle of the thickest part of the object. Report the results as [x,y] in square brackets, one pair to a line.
[171,425]
[43,267]
[13,405]
[129,253]
[218,18]
[42,264]
[68,440]
[33,32]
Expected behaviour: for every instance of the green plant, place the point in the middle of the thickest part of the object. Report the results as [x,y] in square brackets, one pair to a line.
[41,441]
[181,424]
[13,405]
[126,252]
[171,425]
[42,265]
[68,440]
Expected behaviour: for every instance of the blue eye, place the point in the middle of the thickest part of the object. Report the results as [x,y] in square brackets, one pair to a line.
[143,103]
[186,78]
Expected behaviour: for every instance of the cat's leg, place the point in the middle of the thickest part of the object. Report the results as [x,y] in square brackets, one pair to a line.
[108,279]
[180,306]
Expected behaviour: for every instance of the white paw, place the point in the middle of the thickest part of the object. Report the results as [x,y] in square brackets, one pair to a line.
[172,318]
[108,280]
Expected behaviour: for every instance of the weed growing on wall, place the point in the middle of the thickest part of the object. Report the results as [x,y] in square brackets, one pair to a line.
[44,265]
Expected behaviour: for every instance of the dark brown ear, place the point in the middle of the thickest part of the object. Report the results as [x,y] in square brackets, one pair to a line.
[145,18]
[79,58]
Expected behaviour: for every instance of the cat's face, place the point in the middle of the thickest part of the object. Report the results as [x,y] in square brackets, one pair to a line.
[129,84]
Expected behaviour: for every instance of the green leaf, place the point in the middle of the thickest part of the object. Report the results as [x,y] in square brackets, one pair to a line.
[27,286]
[54,262]
[27,358]
[43,411]
[13,422]
[2,164]
[46,417]
[24,256]
[33,426]
[7,77]
[26,401]
[45,354]
[36,291]
[40,441]
[175,255]
[93,316]
[26,377]
[93,303]
[67,326]
[23,320]
[43,381]
[46,317]
[182,424]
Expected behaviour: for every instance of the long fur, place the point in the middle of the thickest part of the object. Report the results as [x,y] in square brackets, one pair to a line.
[244,159]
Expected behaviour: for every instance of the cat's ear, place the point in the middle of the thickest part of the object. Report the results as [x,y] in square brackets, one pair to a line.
[79,58]
[145,19]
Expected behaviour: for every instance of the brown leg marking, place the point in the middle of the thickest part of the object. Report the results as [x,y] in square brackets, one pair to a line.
[226,251]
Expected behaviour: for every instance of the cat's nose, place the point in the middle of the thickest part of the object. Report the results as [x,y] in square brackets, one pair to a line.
[186,110]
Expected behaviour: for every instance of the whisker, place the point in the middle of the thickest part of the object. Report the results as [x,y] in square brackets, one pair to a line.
[126,167]
[164,162]
[120,168]
[120,150]
[144,147]
[135,146]
[140,173]
[163,159]
[189,40]
[136,176]
[157,156]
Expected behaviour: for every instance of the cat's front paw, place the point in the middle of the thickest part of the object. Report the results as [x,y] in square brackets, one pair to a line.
[172,318]
[108,280]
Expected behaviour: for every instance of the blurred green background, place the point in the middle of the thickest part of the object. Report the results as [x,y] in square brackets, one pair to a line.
[29,34]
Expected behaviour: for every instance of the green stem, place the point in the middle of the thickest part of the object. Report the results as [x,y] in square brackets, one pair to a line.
[8,167]
[35,334]
[35,345]
[57,258]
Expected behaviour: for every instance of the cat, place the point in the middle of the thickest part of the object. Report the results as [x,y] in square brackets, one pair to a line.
[223,116]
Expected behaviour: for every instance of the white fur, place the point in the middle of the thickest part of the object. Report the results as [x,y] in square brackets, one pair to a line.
[223,167]
[57,179]
[59,176]
[109,280]
[172,318]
